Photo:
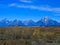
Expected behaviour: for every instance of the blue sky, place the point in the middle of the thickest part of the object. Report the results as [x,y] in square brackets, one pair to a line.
[29,9]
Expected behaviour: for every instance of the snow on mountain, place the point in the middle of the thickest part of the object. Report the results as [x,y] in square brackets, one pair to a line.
[4,23]
[16,23]
[30,23]
[45,21]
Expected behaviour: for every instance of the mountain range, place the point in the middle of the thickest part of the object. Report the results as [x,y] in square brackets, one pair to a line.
[46,21]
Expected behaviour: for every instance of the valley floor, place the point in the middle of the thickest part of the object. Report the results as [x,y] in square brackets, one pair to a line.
[30,36]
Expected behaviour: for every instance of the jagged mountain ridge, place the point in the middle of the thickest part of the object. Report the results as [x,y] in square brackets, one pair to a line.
[46,21]
[42,22]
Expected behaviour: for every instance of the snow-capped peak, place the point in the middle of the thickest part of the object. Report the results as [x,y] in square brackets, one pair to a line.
[45,19]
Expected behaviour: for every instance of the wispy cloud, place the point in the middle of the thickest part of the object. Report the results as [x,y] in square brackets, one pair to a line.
[40,8]
[26,1]
[13,4]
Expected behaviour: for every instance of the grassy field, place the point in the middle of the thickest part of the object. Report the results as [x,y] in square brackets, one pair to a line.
[30,36]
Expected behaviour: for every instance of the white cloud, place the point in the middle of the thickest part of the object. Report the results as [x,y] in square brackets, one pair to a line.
[40,8]
[56,9]
[26,1]
[13,4]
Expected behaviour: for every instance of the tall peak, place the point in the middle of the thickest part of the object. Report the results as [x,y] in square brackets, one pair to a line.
[45,19]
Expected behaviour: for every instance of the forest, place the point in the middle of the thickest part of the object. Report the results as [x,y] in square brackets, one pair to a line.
[19,35]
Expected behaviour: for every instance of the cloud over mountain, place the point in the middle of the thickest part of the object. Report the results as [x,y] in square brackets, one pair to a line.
[26,1]
[41,8]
